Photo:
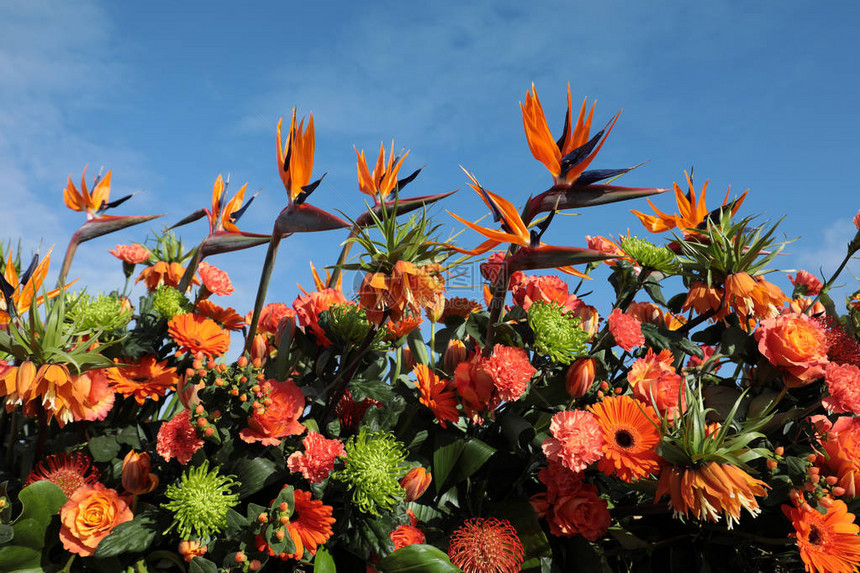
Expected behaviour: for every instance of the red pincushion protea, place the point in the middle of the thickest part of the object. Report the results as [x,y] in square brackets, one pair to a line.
[490,544]
[68,471]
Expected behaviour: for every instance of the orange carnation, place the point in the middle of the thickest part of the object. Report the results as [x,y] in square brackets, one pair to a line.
[89,516]
[214,279]
[795,343]
[132,254]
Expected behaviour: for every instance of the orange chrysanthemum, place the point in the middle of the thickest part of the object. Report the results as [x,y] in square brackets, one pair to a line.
[197,334]
[436,394]
[711,490]
[69,472]
[226,317]
[144,379]
[828,543]
[481,545]
[631,437]
[310,524]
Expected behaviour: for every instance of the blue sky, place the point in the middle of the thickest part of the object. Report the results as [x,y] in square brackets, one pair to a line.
[168,95]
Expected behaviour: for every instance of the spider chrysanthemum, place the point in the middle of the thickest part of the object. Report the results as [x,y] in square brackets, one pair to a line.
[200,502]
[374,466]
[169,302]
[486,546]
[557,332]
[102,312]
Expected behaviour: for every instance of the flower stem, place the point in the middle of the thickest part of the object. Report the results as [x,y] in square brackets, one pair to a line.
[265,276]
[830,281]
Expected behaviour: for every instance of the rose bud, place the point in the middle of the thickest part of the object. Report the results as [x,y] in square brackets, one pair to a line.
[416,482]
[408,360]
[580,377]
[136,473]
[259,350]
[455,353]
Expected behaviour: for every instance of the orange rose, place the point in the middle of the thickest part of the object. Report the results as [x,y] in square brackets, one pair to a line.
[277,415]
[581,513]
[475,386]
[89,516]
[544,288]
[795,343]
[309,307]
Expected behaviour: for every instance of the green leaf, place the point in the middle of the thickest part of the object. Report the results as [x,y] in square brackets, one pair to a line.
[133,536]
[458,460]
[254,474]
[324,562]
[417,559]
[201,565]
[522,516]
[418,347]
[41,501]
[104,448]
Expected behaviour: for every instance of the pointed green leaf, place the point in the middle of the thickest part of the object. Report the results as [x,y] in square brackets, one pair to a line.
[417,559]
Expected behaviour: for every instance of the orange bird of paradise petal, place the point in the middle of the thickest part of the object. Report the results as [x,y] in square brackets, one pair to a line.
[692,210]
[83,200]
[24,288]
[296,156]
[569,156]
[383,180]
[224,217]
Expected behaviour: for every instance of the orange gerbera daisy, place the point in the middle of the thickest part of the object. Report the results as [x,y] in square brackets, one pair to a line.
[710,490]
[144,379]
[403,326]
[436,394]
[693,212]
[568,157]
[383,180]
[310,524]
[194,333]
[828,543]
[631,437]
[226,317]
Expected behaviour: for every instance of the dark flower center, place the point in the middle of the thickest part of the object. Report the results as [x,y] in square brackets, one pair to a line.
[814,535]
[624,438]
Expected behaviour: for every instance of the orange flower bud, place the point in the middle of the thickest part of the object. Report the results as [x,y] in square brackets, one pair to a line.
[771,464]
[408,361]
[259,350]
[191,549]
[136,473]
[455,353]
[580,377]
[416,482]
[779,451]
[590,319]
[838,491]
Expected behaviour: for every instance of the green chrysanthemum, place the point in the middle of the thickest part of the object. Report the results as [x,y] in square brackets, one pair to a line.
[200,502]
[557,332]
[649,255]
[103,312]
[374,466]
[168,302]
[346,322]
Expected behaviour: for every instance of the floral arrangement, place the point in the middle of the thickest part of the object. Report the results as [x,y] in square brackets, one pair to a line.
[707,420]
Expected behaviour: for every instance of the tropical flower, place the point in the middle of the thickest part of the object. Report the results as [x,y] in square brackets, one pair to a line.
[567,158]
[828,542]
[280,407]
[69,472]
[200,501]
[296,156]
[383,180]
[795,343]
[223,216]
[436,394]
[654,381]
[19,292]
[710,490]
[486,544]
[197,334]
[214,280]
[89,515]
[704,298]
[577,440]
[310,524]
[374,466]
[625,329]
[133,254]
[631,435]
[178,438]
[753,297]
[317,461]
[91,203]
[137,476]
[693,211]
[143,379]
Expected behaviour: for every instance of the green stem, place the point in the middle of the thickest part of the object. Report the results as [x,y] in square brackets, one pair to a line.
[398,364]
[68,566]
[67,259]
[265,276]
[432,343]
[188,275]
[497,304]
[344,252]
[829,283]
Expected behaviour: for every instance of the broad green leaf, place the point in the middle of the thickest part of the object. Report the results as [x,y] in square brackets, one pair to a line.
[417,559]
[41,501]
[324,562]
[254,474]
[201,565]
[133,536]
[104,448]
